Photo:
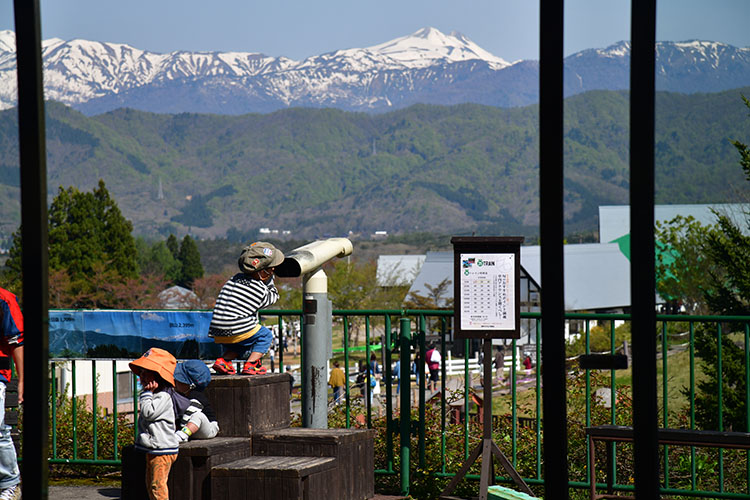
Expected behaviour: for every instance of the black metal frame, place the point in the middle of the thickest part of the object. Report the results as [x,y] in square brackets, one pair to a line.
[31,139]
[34,233]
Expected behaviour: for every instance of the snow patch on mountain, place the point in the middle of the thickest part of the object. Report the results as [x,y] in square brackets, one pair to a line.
[429,46]
[427,66]
[77,71]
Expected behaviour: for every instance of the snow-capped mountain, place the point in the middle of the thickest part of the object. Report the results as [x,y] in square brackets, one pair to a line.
[427,66]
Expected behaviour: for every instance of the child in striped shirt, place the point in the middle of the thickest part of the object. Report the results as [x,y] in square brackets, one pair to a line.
[235,317]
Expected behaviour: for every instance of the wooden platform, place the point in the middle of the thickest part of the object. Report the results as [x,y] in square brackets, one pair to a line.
[246,405]
[258,456]
[277,478]
[190,477]
[352,448]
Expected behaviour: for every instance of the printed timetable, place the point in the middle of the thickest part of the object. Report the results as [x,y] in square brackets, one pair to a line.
[487,287]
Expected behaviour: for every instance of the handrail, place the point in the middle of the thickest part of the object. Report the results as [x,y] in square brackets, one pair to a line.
[428,444]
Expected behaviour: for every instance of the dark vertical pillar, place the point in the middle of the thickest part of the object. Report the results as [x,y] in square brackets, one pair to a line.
[642,280]
[551,231]
[34,235]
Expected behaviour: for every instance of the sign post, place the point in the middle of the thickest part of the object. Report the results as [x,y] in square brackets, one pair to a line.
[486,280]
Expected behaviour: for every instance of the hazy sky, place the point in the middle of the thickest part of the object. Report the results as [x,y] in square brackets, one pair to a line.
[302,28]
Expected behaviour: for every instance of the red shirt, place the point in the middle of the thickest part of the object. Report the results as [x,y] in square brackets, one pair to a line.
[11,330]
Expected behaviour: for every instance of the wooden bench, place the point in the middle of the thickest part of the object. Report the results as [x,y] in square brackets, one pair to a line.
[276,478]
[681,437]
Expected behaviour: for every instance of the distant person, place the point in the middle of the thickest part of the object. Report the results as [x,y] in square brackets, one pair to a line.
[291,379]
[337,381]
[11,346]
[499,363]
[374,366]
[433,365]
[191,377]
[235,317]
[359,382]
[395,371]
[156,419]
[527,363]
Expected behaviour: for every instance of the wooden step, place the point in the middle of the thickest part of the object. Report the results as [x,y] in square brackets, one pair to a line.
[277,478]
[352,448]
[248,404]
[190,476]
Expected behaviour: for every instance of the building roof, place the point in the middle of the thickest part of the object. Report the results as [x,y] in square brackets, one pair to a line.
[614,220]
[177,297]
[597,276]
[398,270]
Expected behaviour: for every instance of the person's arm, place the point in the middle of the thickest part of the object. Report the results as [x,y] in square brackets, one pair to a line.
[17,355]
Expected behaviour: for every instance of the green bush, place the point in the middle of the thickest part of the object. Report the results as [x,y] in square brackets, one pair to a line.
[599,336]
[64,444]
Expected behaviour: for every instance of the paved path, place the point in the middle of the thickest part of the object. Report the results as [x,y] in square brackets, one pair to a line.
[83,493]
[112,493]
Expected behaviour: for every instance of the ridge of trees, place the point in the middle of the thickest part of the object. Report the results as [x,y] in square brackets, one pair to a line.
[423,168]
[707,270]
[94,261]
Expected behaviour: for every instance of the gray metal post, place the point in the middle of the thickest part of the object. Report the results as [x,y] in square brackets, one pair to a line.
[317,346]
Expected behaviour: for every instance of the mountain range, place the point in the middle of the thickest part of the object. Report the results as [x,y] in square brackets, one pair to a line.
[426,168]
[427,67]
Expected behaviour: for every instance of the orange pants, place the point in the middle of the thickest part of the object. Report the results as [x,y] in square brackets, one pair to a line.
[157,473]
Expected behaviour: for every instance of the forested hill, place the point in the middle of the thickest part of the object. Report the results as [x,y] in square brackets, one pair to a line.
[316,172]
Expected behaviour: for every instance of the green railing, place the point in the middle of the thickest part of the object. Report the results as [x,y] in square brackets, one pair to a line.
[397,331]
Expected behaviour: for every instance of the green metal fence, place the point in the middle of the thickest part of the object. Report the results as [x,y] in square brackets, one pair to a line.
[421,441]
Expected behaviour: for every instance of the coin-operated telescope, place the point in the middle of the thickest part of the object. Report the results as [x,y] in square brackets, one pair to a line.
[317,339]
[310,257]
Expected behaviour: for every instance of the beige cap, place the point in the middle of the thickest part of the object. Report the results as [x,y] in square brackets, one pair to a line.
[259,255]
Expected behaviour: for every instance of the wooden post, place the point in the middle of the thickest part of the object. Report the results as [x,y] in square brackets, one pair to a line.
[487,448]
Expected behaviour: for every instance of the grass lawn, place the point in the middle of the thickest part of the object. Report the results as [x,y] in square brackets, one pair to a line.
[678,380]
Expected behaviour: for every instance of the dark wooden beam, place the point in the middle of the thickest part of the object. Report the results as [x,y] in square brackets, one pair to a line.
[34,234]
[642,277]
[551,233]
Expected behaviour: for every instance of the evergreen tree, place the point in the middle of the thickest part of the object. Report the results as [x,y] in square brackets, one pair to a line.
[173,246]
[89,240]
[190,260]
[728,293]
[88,228]
[157,259]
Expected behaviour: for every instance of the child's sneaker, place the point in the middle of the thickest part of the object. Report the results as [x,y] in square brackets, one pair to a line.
[223,367]
[12,493]
[253,368]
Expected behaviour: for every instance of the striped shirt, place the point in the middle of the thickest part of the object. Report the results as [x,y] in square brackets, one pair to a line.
[236,309]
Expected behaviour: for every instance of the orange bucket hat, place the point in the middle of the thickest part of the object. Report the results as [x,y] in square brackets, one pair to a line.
[157,360]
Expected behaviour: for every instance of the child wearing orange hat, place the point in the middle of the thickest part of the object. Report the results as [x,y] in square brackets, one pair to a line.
[156,418]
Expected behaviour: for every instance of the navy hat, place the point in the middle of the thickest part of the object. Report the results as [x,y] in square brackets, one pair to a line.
[194,373]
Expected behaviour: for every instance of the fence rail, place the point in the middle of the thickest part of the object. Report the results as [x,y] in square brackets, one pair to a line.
[105,392]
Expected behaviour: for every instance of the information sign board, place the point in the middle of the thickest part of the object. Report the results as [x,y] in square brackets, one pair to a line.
[486,286]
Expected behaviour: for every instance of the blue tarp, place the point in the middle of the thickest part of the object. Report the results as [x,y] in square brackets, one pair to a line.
[87,333]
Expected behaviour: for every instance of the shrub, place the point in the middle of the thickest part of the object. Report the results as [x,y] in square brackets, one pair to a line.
[71,443]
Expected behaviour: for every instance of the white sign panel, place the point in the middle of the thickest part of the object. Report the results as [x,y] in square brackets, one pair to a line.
[488,291]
